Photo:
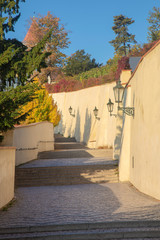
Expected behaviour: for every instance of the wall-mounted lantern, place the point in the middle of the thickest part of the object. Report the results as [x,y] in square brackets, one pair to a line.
[95,111]
[110,106]
[119,94]
[70,109]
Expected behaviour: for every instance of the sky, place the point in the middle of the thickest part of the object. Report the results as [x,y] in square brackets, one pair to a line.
[89,22]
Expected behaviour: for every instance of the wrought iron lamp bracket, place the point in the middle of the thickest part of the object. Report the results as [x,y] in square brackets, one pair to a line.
[127,110]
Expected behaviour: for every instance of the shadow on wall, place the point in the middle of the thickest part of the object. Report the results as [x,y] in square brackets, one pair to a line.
[68,132]
[77,132]
[87,127]
[60,128]
[119,131]
[117,142]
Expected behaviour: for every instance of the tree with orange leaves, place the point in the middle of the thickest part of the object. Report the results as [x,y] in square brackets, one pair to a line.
[56,43]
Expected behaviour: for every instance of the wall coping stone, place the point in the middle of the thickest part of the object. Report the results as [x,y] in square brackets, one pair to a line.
[31,124]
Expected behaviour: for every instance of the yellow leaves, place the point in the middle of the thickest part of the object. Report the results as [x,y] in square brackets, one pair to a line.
[42,108]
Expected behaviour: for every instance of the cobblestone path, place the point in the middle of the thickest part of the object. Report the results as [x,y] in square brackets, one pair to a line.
[78,203]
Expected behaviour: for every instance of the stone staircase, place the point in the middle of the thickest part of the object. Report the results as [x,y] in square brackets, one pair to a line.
[28,177]
[66,143]
[83,170]
[111,230]
[73,163]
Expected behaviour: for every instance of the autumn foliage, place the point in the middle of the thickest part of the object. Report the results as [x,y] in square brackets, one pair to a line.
[123,64]
[69,85]
[138,50]
[55,44]
[93,77]
[42,108]
[59,68]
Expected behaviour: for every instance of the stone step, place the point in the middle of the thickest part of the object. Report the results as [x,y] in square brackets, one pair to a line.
[88,231]
[76,153]
[68,145]
[65,175]
[60,138]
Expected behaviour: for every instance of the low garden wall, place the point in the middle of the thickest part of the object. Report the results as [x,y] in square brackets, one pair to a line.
[29,140]
[7,174]
[32,139]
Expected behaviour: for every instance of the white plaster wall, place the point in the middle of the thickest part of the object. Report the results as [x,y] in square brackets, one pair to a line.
[122,134]
[28,136]
[31,139]
[25,155]
[7,173]
[125,76]
[143,164]
[84,126]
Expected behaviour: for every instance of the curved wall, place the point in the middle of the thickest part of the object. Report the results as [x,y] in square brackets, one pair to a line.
[145,128]
[140,150]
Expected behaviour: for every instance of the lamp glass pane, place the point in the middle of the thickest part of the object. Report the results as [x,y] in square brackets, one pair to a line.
[118,92]
[110,106]
[70,110]
[121,91]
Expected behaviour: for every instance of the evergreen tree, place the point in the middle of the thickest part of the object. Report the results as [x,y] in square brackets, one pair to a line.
[9,14]
[154,22]
[11,102]
[16,63]
[123,38]
[79,62]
